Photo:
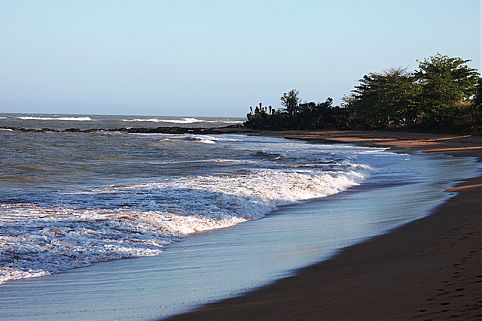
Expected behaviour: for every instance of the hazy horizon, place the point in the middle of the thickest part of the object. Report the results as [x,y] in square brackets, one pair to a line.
[215,58]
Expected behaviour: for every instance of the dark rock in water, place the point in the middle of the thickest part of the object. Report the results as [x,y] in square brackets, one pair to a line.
[165,130]
[36,130]
[92,130]
[143,130]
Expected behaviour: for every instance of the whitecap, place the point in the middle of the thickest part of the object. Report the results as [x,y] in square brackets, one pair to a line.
[55,118]
[141,219]
[184,120]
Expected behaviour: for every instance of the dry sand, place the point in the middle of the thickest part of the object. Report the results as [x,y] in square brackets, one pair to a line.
[429,269]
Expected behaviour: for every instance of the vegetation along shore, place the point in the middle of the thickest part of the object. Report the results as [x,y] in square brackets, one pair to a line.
[443,95]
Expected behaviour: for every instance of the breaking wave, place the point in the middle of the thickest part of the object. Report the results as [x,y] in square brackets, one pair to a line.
[55,118]
[134,220]
[185,120]
[204,139]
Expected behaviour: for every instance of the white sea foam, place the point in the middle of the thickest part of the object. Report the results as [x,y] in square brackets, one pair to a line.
[55,118]
[140,219]
[249,193]
[152,120]
[204,139]
[39,241]
[184,120]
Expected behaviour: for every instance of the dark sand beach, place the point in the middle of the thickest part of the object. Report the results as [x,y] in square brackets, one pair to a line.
[429,269]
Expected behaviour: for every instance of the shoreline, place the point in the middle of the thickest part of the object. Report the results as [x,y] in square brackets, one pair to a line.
[426,269]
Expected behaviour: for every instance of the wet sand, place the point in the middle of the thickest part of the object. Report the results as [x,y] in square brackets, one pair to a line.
[429,269]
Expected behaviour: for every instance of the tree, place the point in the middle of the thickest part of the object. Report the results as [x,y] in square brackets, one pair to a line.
[478,96]
[384,100]
[291,101]
[443,94]
[477,104]
[446,84]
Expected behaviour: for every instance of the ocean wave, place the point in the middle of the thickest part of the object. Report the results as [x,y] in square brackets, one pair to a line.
[185,120]
[40,241]
[135,220]
[269,156]
[152,120]
[204,139]
[55,118]
[247,193]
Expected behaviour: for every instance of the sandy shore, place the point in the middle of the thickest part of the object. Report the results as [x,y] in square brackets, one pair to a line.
[429,269]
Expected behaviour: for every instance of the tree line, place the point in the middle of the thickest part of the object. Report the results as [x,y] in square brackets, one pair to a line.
[442,94]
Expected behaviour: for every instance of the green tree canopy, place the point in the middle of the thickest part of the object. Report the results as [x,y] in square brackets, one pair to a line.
[443,94]
[385,99]
[478,105]
[478,95]
[291,101]
[445,84]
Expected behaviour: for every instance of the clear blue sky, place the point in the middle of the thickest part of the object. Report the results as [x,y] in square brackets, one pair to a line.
[213,58]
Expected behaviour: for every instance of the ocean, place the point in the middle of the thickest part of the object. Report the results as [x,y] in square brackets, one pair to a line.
[64,121]
[70,201]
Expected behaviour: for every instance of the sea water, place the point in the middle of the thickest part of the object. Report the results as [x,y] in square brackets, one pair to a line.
[63,121]
[69,200]
[73,200]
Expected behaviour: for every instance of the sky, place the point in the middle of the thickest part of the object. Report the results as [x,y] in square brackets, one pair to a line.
[214,58]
